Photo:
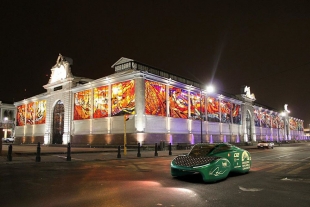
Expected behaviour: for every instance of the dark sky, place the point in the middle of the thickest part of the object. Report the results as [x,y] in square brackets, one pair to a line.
[261,44]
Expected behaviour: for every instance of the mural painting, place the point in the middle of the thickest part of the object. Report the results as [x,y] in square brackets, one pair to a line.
[40,115]
[268,121]
[123,98]
[197,105]
[257,117]
[263,119]
[225,111]
[30,113]
[20,115]
[236,113]
[293,124]
[82,105]
[213,109]
[155,98]
[101,100]
[178,100]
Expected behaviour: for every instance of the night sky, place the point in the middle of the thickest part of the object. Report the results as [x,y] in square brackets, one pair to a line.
[262,44]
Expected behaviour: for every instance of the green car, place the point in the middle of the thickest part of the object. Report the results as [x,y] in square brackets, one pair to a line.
[213,161]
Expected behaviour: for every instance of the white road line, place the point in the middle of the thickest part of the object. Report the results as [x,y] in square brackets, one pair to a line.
[282,167]
[66,157]
[298,170]
[305,158]
[272,156]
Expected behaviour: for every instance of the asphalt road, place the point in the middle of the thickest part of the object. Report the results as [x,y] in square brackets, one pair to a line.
[278,177]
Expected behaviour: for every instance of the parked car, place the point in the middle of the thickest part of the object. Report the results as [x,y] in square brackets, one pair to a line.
[9,139]
[265,144]
[213,161]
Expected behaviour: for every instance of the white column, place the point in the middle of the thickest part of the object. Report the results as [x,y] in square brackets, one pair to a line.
[47,133]
[140,104]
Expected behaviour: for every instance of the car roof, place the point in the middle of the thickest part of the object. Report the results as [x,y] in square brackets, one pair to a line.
[214,144]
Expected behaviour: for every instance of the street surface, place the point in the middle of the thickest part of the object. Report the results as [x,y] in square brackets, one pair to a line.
[278,177]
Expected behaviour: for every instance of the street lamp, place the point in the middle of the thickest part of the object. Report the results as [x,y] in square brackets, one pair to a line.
[209,89]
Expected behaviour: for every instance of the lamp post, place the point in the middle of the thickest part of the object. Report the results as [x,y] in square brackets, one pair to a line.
[209,89]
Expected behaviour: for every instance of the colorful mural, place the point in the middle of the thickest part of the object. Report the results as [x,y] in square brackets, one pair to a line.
[226,111]
[40,115]
[273,119]
[263,119]
[213,109]
[20,115]
[82,105]
[268,121]
[196,109]
[30,113]
[280,122]
[293,124]
[300,125]
[101,100]
[236,113]
[178,100]
[155,98]
[281,126]
[123,98]
[257,118]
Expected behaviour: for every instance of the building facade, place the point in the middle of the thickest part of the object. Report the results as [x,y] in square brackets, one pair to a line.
[142,104]
[7,119]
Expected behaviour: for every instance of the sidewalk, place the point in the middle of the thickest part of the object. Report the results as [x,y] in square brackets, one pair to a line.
[27,153]
[51,153]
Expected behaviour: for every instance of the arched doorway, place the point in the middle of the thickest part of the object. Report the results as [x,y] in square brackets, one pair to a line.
[58,123]
[248,126]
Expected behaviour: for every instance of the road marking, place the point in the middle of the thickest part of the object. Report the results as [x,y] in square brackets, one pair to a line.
[273,157]
[284,156]
[305,158]
[296,180]
[250,189]
[298,170]
[64,157]
[282,167]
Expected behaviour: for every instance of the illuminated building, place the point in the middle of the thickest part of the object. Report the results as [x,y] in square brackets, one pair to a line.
[7,117]
[161,107]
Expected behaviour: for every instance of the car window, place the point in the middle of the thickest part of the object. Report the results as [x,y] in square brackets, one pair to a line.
[221,148]
[201,150]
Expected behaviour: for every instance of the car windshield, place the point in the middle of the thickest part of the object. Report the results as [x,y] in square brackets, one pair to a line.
[201,150]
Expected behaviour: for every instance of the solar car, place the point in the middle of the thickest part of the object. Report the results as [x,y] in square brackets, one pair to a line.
[213,161]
